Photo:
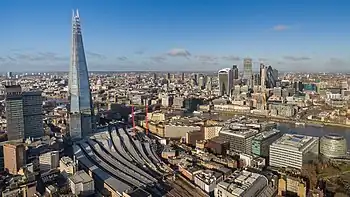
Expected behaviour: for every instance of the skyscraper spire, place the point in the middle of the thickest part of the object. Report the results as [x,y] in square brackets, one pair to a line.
[79,88]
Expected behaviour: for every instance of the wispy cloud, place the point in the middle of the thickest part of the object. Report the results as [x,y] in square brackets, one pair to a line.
[281,27]
[140,52]
[296,59]
[122,58]
[158,59]
[40,56]
[231,58]
[262,59]
[95,55]
[206,58]
[179,53]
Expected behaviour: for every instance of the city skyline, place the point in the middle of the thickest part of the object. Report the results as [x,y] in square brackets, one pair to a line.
[177,35]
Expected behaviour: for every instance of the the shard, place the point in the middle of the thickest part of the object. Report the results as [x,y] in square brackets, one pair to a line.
[79,93]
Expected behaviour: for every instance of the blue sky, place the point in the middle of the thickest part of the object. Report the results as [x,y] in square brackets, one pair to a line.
[177,35]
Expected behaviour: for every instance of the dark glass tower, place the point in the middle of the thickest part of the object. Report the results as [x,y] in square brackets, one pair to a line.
[79,87]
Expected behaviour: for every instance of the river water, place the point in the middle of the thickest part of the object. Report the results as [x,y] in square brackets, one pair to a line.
[316,131]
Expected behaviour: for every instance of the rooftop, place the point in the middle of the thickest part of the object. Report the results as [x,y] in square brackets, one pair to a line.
[240,132]
[67,161]
[208,176]
[266,134]
[242,181]
[294,141]
[81,177]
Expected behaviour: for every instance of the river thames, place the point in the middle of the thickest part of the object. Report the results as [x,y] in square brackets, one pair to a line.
[315,131]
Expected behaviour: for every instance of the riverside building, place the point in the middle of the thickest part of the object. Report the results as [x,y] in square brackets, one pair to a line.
[291,150]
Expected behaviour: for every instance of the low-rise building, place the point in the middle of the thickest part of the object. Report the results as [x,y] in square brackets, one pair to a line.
[207,180]
[67,166]
[81,184]
[243,184]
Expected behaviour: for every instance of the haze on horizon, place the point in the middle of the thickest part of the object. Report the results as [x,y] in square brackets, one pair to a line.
[176,35]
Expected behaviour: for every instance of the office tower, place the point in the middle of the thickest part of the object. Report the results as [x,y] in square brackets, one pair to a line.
[235,72]
[195,78]
[14,112]
[247,69]
[154,77]
[240,139]
[275,73]
[225,81]
[270,78]
[49,160]
[9,75]
[183,77]
[201,81]
[262,141]
[79,87]
[292,151]
[14,156]
[263,76]
[209,84]
[23,113]
[256,79]
[33,114]
[168,76]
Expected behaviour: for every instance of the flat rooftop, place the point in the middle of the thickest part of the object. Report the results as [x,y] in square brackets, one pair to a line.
[242,132]
[241,181]
[266,134]
[294,141]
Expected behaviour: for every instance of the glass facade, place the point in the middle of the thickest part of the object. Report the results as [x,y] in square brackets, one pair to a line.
[79,87]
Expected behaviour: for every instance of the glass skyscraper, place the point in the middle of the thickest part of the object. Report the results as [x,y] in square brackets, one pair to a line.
[81,110]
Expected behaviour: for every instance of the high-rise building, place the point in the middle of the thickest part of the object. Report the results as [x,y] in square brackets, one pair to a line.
[49,160]
[202,81]
[263,76]
[81,114]
[248,70]
[23,113]
[270,77]
[14,156]
[235,72]
[14,112]
[209,84]
[168,76]
[256,79]
[262,141]
[9,75]
[33,114]
[154,77]
[225,81]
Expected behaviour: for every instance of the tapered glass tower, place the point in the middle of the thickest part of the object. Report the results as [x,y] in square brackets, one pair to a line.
[79,94]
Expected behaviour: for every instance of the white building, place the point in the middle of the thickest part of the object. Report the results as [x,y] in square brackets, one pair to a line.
[291,150]
[207,180]
[49,160]
[242,184]
[81,184]
[67,166]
